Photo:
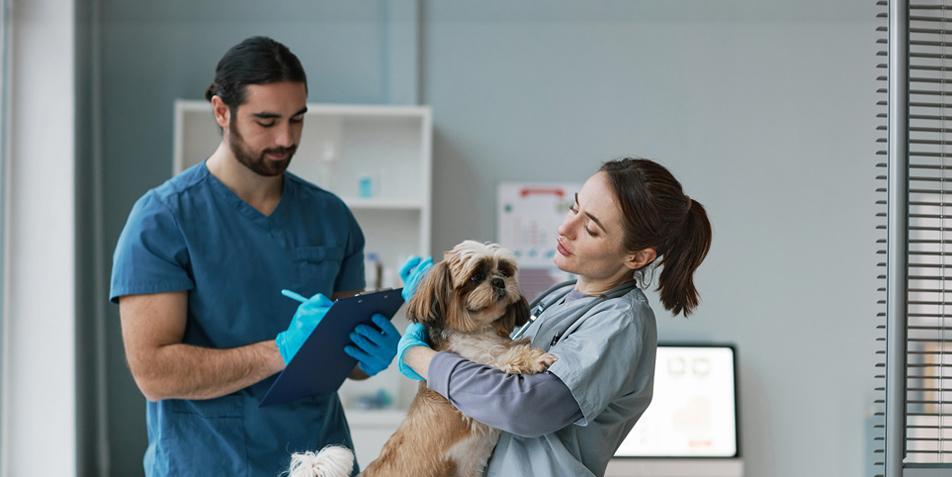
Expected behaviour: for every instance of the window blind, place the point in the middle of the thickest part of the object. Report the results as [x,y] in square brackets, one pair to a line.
[916,183]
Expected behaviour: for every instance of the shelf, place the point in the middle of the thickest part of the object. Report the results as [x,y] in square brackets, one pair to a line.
[325,109]
[382,418]
[383,204]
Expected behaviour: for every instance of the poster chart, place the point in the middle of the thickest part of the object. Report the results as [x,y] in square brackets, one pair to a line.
[529,213]
[528,216]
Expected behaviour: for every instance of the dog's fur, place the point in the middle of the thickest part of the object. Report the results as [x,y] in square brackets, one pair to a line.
[470,303]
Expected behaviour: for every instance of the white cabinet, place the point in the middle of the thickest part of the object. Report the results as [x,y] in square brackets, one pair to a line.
[370,431]
[378,160]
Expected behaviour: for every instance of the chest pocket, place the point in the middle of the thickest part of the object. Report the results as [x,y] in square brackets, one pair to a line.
[318,268]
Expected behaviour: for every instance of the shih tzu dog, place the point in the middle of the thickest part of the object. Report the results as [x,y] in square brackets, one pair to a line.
[470,303]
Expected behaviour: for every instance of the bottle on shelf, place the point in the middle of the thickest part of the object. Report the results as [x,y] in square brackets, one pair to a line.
[373,271]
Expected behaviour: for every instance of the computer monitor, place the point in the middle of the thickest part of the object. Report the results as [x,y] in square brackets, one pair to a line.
[692,416]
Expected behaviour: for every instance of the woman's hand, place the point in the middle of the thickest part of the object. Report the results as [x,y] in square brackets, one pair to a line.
[414,336]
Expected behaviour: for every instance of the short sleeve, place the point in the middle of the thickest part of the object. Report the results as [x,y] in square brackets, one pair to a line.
[151,255]
[598,359]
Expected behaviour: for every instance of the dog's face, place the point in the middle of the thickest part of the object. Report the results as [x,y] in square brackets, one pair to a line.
[473,287]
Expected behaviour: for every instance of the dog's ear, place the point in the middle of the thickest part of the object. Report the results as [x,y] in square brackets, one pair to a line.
[519,311]
[432,298]
[517,314]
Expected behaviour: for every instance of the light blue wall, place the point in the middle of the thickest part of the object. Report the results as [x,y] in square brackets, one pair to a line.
[764,110]
[767,117]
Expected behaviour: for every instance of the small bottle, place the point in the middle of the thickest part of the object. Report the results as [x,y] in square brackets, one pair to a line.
[373,271]
[388,278]
[365,186]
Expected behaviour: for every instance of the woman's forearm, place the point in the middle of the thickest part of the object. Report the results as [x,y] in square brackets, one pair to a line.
[525,405]
[418,358]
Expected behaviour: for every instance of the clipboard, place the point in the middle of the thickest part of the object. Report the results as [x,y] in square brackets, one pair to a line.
[321,365]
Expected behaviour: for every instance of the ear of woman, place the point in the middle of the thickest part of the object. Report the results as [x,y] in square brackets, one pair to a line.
[641,258]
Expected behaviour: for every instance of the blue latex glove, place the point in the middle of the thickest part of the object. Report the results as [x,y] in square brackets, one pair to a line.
[374,348]
[415,335]
[309,313]
[412,272]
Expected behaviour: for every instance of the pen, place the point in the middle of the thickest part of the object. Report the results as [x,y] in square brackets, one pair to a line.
[294,296]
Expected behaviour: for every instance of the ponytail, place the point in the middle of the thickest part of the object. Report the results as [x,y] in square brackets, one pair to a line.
[687,250]
[658,215]
[213,90]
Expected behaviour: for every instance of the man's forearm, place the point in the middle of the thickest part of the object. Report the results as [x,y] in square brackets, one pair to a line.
[181,371]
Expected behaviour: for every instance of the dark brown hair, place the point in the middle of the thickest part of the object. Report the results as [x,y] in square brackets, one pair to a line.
[658,215]
[257,60]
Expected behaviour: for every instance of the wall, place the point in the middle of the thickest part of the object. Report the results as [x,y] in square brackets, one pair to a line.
[93,414]
[39,356]
[767,118]
[765,111]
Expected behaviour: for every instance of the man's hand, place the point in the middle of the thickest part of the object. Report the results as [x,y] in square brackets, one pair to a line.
[305,319]
[374,348]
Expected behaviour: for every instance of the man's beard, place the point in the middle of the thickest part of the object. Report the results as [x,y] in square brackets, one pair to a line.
[258,163]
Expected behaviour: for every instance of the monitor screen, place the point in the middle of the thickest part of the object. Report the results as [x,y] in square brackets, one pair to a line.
[693,412]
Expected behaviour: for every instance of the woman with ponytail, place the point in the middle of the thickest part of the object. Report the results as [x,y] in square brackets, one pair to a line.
[629,218]
[658,216]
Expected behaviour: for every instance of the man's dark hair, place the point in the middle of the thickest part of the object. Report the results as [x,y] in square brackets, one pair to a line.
[257,60]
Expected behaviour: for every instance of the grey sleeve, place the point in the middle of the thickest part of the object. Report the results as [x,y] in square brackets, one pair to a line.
[525,405]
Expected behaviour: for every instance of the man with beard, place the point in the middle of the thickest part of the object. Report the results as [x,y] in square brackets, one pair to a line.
[198,273]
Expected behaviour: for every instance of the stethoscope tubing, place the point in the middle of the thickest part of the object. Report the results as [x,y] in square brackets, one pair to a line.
[549,291]
[537,306]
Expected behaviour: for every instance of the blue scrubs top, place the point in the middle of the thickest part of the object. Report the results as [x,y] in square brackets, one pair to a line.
[193,233]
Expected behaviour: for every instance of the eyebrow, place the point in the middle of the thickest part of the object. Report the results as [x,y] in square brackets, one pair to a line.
[267,115]
[590,216]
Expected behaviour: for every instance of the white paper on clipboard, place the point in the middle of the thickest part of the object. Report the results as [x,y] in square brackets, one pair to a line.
[529,215]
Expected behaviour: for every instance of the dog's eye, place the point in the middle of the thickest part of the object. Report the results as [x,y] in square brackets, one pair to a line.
[477,277]
[504,272]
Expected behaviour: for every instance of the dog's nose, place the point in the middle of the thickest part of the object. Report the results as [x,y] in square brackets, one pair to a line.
[498,283]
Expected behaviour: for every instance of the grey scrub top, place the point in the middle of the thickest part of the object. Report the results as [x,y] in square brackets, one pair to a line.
[607,360]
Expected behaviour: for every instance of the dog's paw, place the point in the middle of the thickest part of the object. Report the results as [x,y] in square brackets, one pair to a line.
[543,362]
[525,359]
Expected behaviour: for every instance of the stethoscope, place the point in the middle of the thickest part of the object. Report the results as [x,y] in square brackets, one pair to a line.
[556,293]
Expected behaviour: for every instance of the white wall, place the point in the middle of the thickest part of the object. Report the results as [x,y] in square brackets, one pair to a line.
[39,398]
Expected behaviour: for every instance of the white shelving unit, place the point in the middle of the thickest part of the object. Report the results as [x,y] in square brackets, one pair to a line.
[351,150]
